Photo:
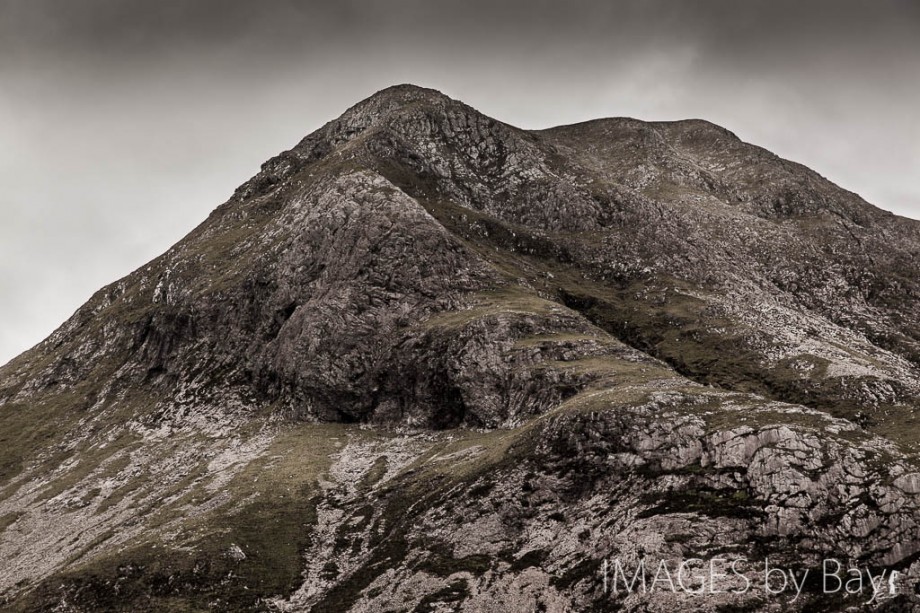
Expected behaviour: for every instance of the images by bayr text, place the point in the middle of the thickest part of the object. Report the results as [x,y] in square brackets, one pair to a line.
[739,575]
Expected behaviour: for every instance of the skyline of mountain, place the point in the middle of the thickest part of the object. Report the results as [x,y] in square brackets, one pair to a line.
[125,121]
[587,345]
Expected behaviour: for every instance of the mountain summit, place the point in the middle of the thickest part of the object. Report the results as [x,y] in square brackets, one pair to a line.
[425,360]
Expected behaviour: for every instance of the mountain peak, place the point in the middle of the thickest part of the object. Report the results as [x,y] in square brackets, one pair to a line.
[254,418]
[397,96]
[406,89]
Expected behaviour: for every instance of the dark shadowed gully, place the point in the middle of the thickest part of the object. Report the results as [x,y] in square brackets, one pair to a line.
[427,361]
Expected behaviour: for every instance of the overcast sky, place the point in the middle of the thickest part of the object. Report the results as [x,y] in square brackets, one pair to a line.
[124,122]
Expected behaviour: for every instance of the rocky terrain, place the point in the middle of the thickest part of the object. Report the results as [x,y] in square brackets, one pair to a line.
[427,361]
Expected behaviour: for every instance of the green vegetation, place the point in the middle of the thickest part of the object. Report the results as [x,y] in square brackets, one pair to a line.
[270,521]
[375,474]
[8,520]
[562,337]
[504,300]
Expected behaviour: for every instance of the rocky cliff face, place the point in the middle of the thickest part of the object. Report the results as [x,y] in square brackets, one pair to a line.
[428,361]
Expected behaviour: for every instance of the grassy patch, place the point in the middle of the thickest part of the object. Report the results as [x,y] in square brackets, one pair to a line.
[562,337]
[270,519]
[9,519]
[495,302]
[374,474]
[99,461]
[26,429]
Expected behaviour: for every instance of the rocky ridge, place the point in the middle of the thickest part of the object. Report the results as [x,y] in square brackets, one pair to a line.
[428,361]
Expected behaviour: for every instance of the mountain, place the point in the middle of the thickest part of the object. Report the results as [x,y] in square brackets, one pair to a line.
[428,361]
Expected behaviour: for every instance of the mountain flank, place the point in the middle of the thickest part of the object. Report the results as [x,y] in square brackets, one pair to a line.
[428,361]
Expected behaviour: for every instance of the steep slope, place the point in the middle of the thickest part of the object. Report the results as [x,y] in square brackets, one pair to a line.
[614,339]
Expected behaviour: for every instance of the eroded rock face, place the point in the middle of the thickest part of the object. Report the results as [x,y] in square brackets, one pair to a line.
[428,361]
[653,481]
